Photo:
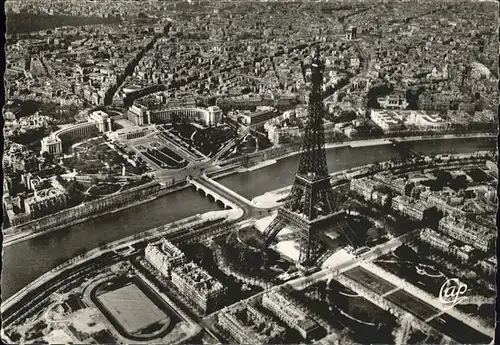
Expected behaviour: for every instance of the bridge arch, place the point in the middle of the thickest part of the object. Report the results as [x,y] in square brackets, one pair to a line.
[213,196]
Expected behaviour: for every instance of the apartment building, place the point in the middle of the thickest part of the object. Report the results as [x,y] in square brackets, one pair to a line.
[247,325]
[411,207]
[285,309]
[198,286]
[164,256]
[474,234]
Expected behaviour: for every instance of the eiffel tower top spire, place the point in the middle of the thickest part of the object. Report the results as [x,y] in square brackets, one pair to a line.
[313,159]
[317,68]
[317,65]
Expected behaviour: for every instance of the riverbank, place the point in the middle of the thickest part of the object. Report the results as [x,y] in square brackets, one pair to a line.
[275,198]
[119,245]
[360,144]
[27,235]
[39,255]
[11,239]
[268,200]
[265,201]
[258,165]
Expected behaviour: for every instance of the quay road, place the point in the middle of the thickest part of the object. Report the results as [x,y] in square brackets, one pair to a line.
[14,308]
[198,169]
[31,299]
[221,192]
[28,299]
[53,274]
[41,289]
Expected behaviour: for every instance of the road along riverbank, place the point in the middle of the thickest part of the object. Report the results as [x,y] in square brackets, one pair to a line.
[27,260]
[251,184]
[186,227]
[115,202]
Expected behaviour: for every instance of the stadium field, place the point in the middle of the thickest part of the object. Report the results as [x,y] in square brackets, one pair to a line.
[132,309]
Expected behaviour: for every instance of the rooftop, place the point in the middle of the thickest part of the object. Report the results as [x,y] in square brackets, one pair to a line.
[294,312]
[198,278]
[167,248]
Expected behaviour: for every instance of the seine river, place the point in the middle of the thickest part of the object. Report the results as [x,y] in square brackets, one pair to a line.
[25,261]
[258,182]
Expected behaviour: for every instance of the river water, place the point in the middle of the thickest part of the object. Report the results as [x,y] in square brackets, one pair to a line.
[25,261]
[254,183]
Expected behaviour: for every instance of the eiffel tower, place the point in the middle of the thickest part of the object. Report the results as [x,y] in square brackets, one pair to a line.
[309,209]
